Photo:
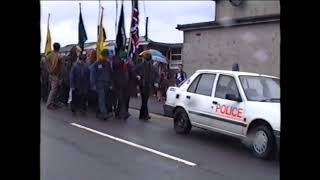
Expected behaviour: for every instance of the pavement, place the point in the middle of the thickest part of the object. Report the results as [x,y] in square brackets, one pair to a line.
[83,148]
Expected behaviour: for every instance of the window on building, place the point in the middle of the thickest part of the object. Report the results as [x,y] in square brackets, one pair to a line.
[176,51]
[175,57]
[176,54]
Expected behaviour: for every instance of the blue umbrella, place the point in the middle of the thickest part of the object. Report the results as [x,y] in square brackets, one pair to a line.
[156,55]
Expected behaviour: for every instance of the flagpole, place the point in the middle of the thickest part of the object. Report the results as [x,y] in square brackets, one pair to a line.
[130,34]
[99,7]
[48,20]
[116,16]
[82,48]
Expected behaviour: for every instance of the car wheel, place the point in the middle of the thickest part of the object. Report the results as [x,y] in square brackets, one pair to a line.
[263,142]
[181,122]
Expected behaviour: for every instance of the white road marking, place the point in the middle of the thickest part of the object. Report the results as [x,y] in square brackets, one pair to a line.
[135,145]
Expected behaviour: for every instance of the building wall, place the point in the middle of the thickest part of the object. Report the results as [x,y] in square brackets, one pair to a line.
[255,47]
[249,8]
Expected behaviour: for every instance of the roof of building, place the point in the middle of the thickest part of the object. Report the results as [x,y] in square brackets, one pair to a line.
[238,73]
[142,39]
[171,45]
[230,22]
[88,44]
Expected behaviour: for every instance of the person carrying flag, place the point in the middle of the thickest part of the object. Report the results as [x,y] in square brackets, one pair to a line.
[101,82]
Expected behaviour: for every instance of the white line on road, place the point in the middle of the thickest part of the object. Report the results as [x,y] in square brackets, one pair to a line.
[135,145]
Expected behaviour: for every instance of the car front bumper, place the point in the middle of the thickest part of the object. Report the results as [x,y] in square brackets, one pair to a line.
[168,110]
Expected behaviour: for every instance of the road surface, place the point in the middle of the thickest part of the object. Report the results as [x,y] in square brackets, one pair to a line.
[84,148]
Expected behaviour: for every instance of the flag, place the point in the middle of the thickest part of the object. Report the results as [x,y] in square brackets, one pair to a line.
[101,38]
[82,34]
[121,34]
[48,47]
[103,31]
[134,31]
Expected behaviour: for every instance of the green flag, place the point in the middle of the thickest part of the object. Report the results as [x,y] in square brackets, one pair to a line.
[82,31]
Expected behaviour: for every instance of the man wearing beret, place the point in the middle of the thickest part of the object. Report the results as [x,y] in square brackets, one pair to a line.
[101,81]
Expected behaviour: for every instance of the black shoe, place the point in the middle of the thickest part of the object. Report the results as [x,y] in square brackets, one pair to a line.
[74,112]
[109,115]
[126,116]
[83,112]
[101,116]
[145,118]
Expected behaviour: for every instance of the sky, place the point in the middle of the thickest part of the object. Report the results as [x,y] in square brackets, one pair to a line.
[163,19]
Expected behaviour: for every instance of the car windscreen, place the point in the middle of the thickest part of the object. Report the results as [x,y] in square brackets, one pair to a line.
[259,88]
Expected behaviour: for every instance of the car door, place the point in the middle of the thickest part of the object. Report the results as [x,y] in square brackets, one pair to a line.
[199,98]
[229,115]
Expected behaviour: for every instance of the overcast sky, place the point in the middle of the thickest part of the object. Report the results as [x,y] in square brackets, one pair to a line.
[163,18]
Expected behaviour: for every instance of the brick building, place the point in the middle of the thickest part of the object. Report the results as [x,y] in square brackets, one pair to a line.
[248,34]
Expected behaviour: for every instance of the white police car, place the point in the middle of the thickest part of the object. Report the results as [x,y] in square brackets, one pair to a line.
[239,104]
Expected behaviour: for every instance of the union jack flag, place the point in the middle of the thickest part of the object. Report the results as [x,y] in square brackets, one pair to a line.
[134,31]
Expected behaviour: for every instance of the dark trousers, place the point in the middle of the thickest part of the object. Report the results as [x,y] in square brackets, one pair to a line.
[111,100]
[44,91]
[64,93]
[145,93]
[92,99]
[79,101]
[122,105]
[104,100]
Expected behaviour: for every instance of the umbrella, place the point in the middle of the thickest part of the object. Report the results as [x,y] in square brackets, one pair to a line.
[156,55]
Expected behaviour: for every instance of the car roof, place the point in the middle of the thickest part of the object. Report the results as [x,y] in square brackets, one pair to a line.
[237,73]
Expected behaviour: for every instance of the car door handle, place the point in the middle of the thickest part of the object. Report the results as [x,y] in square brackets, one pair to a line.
[188,97]
[214,102]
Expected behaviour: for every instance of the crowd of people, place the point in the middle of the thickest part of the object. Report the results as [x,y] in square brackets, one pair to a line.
[102,84]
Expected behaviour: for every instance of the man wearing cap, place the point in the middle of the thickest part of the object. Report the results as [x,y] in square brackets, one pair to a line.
[101,81]
[147,76]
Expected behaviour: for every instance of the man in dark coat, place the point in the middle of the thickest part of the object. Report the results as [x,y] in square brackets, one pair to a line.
[79,85]
[101,81]
[67,65]
[147,77]
[122,76]
[92,95]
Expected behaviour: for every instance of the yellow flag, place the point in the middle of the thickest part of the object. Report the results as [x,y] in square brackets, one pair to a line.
[48,47]
[101,38]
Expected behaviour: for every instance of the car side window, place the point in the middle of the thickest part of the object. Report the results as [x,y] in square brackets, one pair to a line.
[226,85]
[193,85]
[205,84]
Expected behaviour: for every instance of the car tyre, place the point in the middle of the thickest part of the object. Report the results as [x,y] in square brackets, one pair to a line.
[181,122]
[263,143]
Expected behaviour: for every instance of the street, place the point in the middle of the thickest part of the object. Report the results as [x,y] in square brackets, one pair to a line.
[84,148]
